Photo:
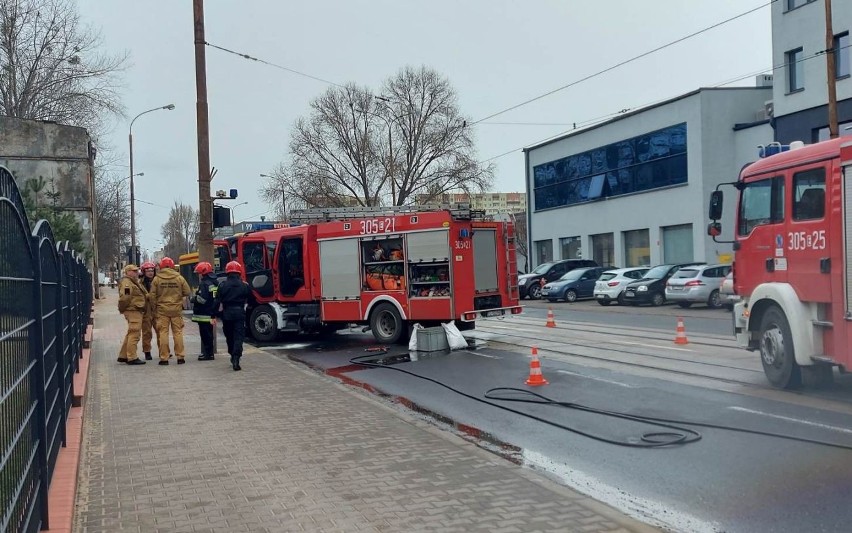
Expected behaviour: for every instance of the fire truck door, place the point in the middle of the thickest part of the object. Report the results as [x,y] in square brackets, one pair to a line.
[257,268]
[806,245]
[761,232]
[291,266]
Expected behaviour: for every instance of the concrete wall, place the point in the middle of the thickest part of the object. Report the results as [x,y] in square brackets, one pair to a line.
[32,149]
[713,156]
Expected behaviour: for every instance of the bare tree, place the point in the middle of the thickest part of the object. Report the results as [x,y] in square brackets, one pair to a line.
[356,148]
[50,67]
[180,230]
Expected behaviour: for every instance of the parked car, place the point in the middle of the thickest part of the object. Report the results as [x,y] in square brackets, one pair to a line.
[529,285]
[729,295]
[698,284]
[578,283]
[611,283]
[651,289]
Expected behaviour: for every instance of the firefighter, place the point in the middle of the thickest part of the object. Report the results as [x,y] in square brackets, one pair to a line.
[205,304]
[233,295]
[149,321]
[168,291]
[132,301]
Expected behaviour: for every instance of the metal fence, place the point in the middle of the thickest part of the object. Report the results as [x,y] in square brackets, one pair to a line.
[45,304]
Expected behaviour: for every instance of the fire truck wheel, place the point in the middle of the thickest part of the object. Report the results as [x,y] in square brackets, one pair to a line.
[262,324]
[776,351]
[386,323]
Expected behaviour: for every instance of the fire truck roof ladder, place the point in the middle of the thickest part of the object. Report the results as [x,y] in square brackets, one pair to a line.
[459,211]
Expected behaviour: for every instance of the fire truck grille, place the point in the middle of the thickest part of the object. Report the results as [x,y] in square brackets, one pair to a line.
[487,302]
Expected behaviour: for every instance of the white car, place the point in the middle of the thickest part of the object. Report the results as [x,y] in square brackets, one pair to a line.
[610,286]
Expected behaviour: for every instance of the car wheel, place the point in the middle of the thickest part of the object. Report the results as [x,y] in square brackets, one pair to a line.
[715,300]
[535,291]
[776,351]
[386,323]
[658,299]
[570,295]
[685,305]
[620,298]
[262,324]
[604,302]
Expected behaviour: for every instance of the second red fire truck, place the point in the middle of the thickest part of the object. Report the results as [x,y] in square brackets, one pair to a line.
[385,268]
[793,260]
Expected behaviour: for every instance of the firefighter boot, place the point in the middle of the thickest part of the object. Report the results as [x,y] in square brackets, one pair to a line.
[148,356]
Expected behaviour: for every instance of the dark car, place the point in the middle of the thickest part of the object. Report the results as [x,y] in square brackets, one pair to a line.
[529,285]
[651,289]
[578,283]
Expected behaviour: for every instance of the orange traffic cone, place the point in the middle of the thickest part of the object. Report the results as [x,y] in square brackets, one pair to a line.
[681,333]
[536,378]
[550,322]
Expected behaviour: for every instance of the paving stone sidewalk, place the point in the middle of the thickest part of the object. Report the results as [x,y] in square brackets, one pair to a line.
[276,447]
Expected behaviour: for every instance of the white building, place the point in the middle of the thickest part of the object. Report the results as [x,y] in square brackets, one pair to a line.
[634,190]
[800,95]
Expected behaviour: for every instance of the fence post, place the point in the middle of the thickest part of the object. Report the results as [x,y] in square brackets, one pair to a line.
[38,382]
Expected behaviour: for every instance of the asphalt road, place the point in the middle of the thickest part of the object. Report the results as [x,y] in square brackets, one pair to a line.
[700,319]
[727,481]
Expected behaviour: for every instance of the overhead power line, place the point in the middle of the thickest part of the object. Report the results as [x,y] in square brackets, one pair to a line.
[271,64]
[622,63]
[602,118]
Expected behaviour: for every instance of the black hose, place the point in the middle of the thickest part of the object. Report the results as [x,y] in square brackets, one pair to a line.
[679,435]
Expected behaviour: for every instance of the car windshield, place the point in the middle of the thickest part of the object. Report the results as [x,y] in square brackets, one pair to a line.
[574,275]
[542,268]
[607,276]
[686,273]
[658,272]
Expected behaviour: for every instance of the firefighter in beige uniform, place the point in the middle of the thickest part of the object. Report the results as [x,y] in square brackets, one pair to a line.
[132,301]
[168,291]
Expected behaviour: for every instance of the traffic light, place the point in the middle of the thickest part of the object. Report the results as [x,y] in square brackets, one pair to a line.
[221,216]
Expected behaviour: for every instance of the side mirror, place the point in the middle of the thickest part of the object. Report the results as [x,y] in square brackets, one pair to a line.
[716,199]
[714,229]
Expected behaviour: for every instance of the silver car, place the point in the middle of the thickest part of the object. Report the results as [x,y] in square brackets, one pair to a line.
[697,284]
[610,285]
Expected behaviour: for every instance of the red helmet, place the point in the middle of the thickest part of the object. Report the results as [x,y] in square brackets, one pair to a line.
[203,268]
[234,267]
[148,264]
[167,262]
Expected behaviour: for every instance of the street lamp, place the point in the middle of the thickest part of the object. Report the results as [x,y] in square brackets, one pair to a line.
[132,196]
[283,197]
[234,213]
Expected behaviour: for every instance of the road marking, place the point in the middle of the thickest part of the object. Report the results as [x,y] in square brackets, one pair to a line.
[482,354]
[789,419]
[293,346]
[620,384]
[651,346]
[507,327]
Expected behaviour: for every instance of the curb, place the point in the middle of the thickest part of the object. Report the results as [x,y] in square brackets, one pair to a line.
[63,486]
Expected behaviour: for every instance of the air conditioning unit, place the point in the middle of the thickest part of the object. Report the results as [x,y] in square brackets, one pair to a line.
[765,113]
[763,80]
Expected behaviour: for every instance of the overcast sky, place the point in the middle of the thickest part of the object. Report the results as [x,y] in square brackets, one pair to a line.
[496,54]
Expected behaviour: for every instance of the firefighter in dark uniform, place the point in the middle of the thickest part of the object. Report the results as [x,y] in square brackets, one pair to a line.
[233,295]
[205,305]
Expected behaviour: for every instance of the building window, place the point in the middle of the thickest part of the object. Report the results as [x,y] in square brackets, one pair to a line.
[841,55]
[844,129]
[571,248]
[677,244]
[637,248]
[544,251]
[793,4]
[650,161]
[795,70]
[603,249]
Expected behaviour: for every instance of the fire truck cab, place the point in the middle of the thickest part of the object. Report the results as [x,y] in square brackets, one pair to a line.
[385,268]
[793,260]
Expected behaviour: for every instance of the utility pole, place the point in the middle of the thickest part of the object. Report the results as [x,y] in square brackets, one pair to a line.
[205,201]
[831,74]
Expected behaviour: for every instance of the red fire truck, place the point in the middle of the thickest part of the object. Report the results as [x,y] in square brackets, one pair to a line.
[383,267]
[793,260]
